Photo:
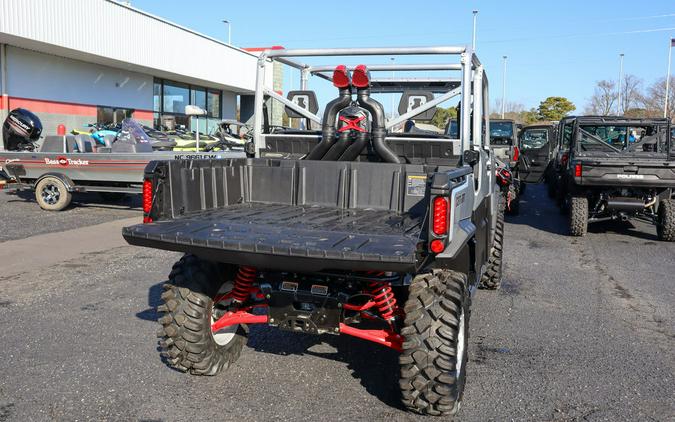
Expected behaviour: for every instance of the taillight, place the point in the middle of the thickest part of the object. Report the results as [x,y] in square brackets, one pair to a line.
[440,221]
[147,200]
[437,246]
[563,160]
[577,170]
[516,153]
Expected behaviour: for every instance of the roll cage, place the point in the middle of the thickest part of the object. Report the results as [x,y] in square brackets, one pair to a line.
[463,76]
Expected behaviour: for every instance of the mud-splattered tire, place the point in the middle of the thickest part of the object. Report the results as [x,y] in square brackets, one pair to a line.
[514,206]
[665,223]
[436,331]
[186,317]
[578,208]
[52,194]
[492,277]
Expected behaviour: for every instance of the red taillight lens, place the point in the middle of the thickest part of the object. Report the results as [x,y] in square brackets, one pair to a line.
[360,77]
[147,200]
[437,246]
[516,153]
[440,221]
[577,170]
[341,77]
[563,160]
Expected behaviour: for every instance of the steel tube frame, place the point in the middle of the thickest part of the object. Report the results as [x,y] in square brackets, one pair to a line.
[292,105]
[424,107]
[468,64]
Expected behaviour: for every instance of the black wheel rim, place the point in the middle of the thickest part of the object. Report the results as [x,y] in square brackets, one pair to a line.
[50,194]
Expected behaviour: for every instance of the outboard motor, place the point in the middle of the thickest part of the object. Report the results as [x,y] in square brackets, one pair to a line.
[21,130]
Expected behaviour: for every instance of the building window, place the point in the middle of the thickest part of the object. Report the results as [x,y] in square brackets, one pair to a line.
[170,99]
[213,105]
[112,115]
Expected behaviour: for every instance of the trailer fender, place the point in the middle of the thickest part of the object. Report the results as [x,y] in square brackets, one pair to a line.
[65,179]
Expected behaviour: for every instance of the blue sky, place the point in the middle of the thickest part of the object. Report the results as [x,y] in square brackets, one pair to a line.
[554,49]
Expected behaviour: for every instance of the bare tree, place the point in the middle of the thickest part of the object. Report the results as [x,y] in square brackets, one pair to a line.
[655,96]
[603,99]
[632,96]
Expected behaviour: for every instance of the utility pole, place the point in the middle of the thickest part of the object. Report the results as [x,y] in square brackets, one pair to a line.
[504,86]
[229,31]
[620,109]
[473,40]
[670,57]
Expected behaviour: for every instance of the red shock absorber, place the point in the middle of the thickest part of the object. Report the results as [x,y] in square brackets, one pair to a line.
[384,299]
[243,284]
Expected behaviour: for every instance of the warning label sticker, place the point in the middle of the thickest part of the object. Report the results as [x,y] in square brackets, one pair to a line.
[416,185]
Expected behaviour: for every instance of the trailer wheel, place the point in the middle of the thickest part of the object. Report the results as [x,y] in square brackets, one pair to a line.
[188,312]
[665,223]
[578,209]
[436,330]
[492,277]
[52,194]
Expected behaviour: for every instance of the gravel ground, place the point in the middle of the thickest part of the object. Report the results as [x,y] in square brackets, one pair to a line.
[22,216]
[582,329]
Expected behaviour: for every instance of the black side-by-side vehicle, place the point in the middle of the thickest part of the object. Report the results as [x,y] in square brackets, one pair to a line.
[617,168]
[355,229]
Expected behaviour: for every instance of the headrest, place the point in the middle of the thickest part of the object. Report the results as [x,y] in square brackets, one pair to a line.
[411,100]
[304,99]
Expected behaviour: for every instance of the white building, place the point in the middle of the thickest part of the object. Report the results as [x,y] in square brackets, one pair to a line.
[74,62]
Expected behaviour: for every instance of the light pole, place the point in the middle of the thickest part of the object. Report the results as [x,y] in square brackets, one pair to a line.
[473,40]
[393,75]
[504,86]
[229,31]
[670,58]
[620,107]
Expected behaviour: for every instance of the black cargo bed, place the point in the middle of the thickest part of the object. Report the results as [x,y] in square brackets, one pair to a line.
[291,237]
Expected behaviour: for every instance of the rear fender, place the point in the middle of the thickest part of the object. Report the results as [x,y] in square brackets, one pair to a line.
[70,186]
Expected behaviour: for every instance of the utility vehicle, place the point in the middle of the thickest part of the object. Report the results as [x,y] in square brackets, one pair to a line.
[352,230]
[503,137]
[618,168]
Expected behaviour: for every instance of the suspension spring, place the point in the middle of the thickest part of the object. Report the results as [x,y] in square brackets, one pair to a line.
[384,299]
[243,284]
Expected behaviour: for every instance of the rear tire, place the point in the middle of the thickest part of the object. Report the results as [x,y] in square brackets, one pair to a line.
[492,277]
[52,194]
[187,340]
[665,225]
[436,331]
[578,215]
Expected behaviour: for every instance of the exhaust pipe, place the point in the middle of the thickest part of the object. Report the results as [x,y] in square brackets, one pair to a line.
[338,148]
[343,83]
[361,80]
[625,204]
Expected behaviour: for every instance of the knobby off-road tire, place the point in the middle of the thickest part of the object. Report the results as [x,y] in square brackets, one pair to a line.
[52,194]
[665,224]
[514,206]
[578,215]
[187,341]
[492,277]
[436,331]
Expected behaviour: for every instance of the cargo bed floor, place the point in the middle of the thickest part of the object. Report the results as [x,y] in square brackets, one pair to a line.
[285,236]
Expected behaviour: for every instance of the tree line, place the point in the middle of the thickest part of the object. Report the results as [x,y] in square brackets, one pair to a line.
[637,100]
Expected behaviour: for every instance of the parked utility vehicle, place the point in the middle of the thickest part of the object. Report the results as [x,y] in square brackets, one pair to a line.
[619,168]
[351,230]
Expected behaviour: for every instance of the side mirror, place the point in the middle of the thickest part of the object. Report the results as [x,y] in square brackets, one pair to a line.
[471,157]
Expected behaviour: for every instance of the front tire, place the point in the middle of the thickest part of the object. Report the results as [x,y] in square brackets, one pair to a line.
[578,208]
[665,224]
[52,194]
[434,356]
[188,312]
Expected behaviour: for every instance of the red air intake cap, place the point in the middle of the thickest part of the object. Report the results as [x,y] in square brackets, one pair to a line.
[341,77]
[361,76]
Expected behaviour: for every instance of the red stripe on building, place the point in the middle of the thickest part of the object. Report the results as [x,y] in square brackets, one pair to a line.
[143,115]
[43,106]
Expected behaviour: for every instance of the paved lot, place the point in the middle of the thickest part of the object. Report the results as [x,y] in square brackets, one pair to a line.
[583,329]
